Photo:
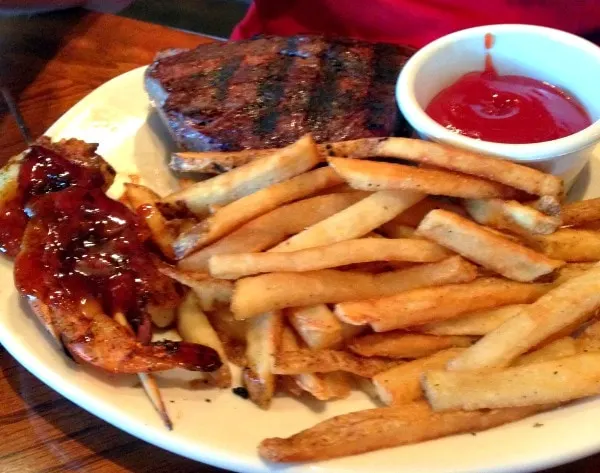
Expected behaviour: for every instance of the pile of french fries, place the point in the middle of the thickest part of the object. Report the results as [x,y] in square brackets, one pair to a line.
[457,287]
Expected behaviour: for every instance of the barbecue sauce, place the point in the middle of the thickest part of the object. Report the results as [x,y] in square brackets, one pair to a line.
[41,171]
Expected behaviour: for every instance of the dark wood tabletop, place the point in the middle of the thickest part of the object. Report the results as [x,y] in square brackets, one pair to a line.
[50,62]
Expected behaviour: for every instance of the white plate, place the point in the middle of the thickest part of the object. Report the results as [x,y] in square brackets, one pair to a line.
[226,431]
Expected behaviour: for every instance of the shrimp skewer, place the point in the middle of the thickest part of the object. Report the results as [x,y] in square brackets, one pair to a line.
[149,382]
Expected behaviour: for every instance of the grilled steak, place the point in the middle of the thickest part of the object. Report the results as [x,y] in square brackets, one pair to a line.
[267,92]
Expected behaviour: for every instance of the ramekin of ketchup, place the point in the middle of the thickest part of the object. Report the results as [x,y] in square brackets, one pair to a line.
[521,92]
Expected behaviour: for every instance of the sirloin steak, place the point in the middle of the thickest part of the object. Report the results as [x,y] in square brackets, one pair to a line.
[268,92]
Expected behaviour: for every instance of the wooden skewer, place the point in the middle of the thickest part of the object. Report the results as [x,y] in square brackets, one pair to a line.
[149,382]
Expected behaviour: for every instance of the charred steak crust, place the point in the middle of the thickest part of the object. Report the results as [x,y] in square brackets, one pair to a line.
[267,92]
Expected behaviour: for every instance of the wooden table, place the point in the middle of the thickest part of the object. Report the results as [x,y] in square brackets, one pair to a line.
[50,62]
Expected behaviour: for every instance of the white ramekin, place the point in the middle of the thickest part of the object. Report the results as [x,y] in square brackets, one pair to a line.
[546,54]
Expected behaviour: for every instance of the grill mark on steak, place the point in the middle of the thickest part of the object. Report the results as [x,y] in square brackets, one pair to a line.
[346,111]
[223,77]
[383,75]
[319,105]
[271,90]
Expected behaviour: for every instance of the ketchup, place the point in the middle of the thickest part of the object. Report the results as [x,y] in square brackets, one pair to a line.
[507,108]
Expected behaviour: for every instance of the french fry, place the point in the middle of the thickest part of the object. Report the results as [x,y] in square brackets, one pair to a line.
[512,216]
[362,250]
[143,201]
[495,169]
[211,292]
[434,304]
[474,242]
[327,361]
[215,162]
[323,386]
[383,427]
[237,213]
[548,204]
[352,222]
[257,294]
[575,300]
[194,327]
[399,344]
[272,227]
[392,229]
[476,323]
[554,381]
[412,216]
[402,384]
[376,176]
[568,244]
[249,178]
[570,271]
[232,334]
[565,346]
[263,340]
[581,212]
[317,326]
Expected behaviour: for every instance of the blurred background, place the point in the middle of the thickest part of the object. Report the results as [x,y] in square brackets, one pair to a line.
[210,17]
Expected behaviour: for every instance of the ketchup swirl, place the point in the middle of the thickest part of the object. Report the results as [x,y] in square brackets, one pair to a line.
[507,109]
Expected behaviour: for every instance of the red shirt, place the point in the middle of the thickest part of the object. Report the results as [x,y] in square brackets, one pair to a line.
[414,22]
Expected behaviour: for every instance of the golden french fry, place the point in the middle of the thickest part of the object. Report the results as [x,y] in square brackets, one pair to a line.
[194,327]
[560,380]
[565,346]
[433,304]
[402,384]
[399,344]
[326,361]
[412,216]
[232,334]
[143,202]
[317,326]
[257,294]
[495,169]
[548,204]
[568,244]
[249,178]
[570,271]
[272,227]
[222,320]
[263,340]
[211,292]
[395,230]
[575,300]
[479,322]
[323,386]
[511,215]
[362,250]
[581,212]
[474,242]
[215,162]
[352,222]
[376,176]
[237,213]
[383,427]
